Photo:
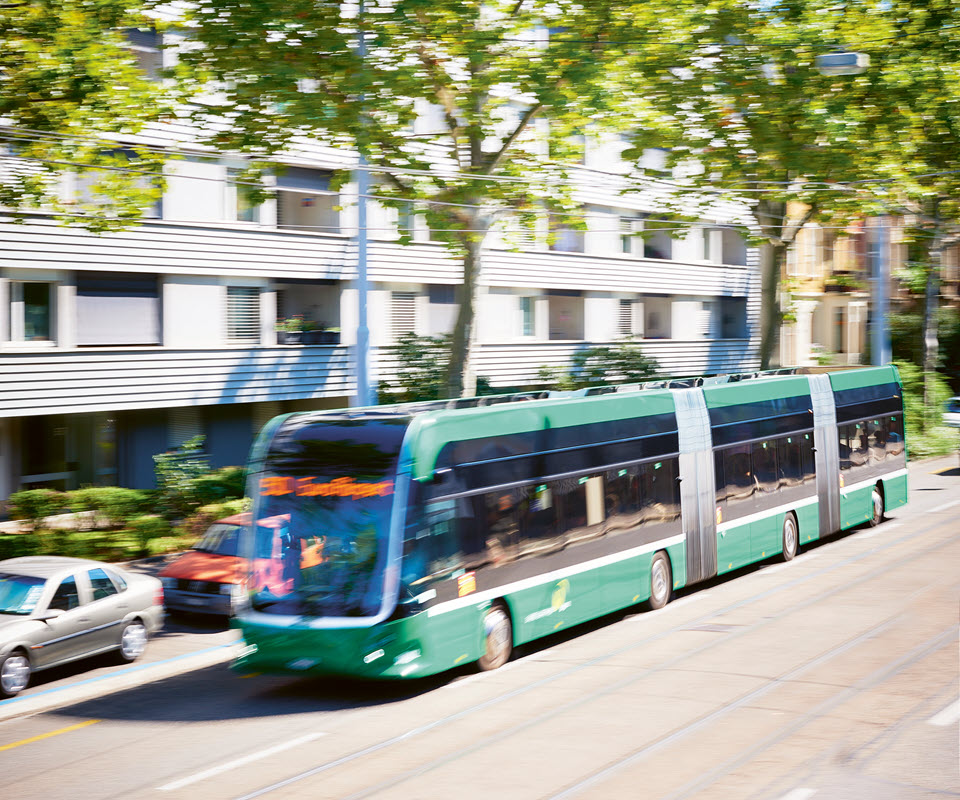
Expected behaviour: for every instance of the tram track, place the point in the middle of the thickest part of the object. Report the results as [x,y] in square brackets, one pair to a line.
[863,754]
[645,641]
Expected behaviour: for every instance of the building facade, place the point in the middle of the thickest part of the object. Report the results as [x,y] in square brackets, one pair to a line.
[118,346]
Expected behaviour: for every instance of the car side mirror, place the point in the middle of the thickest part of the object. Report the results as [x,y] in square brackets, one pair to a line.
[50,614]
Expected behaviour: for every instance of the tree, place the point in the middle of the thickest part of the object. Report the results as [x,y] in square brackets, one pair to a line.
[733,90]
[70,87]
[488,68]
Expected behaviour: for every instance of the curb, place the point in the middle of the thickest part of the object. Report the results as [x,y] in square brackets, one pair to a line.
[128,678]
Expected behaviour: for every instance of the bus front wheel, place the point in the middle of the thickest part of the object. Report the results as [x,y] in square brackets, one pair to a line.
[498,638]
[660,581]
[791,538]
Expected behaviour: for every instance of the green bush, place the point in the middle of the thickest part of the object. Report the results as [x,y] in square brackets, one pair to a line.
[226,483]
[35,505]
[114,504]
[147,528]
[16,545]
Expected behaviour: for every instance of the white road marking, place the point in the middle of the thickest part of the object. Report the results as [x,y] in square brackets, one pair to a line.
[948,716]
[238,762]
[799,794]
[944,507]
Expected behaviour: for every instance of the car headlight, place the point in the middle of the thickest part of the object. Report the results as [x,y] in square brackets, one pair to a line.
[168,583]
[232,589]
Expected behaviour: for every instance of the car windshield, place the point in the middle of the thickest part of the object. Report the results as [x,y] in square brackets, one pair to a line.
[323,517]
[220,538]
[19,593]
[953,404]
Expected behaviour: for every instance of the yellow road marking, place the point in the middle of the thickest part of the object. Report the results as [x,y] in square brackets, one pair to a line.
[251,675]
[42,736]
[941,471]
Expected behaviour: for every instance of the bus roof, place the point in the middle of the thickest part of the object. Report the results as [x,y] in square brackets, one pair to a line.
[437,423]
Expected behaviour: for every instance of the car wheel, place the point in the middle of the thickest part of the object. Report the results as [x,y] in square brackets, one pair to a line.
[14,674]
[498,638]
[133,641]
[791,539]
[660,581]
[877,499]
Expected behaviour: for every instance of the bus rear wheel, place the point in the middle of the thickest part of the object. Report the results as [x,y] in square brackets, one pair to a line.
[660,581]
[791,538]
[498,638]
[877,500]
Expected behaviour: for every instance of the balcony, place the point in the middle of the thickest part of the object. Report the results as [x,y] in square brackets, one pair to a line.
[75,381]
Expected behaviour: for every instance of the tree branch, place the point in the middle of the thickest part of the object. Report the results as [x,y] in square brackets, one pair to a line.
[494,161]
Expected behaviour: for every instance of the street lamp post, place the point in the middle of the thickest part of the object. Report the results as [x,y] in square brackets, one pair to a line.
[362,182]
[880,336]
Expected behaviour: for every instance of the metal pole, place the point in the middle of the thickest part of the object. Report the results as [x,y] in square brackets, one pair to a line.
[880,341]
[363,332]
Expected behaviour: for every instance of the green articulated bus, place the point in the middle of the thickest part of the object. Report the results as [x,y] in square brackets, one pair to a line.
[401,541]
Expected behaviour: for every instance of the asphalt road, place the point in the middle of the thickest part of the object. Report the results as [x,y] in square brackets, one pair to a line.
[833,676]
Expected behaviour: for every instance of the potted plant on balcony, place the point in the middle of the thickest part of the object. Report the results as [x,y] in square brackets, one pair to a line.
[293,330]
[330,336]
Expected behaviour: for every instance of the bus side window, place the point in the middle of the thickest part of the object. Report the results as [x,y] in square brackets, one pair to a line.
[807,460]
[502,525]
[895,436]
[431,546]
[718,477]
[765,466]
[738,471]
[622,499]
[790,468]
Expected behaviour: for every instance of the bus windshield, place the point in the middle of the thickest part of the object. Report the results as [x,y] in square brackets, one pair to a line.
[323,507]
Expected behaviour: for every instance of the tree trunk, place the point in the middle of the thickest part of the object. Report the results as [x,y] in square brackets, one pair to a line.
[459,376]
[771,263]
[771,217]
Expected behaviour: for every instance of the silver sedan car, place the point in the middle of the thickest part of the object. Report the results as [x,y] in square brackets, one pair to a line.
[54,610]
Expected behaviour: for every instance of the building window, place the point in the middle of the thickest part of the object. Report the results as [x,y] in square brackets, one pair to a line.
[839,330]
[243,315]
[240,196]
[145,45]
[625,321]
[304,201]
[115,308]
[565,239]
[527,321]
[403,313]
[658,245]
[31,311]
[443,310]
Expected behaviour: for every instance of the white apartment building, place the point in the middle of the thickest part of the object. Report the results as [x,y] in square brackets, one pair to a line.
[119,346]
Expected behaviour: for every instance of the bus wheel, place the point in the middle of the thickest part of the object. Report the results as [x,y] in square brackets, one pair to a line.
[877,517]
[791,539]
[498,638]
[660,581]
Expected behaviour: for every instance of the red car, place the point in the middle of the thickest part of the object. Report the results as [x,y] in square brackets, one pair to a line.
[209,578]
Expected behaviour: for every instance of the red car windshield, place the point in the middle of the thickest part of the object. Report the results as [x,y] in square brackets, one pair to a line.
[221,539]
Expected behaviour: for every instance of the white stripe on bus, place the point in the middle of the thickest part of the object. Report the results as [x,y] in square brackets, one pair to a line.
[770,512]
[844,490]
[549,577]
